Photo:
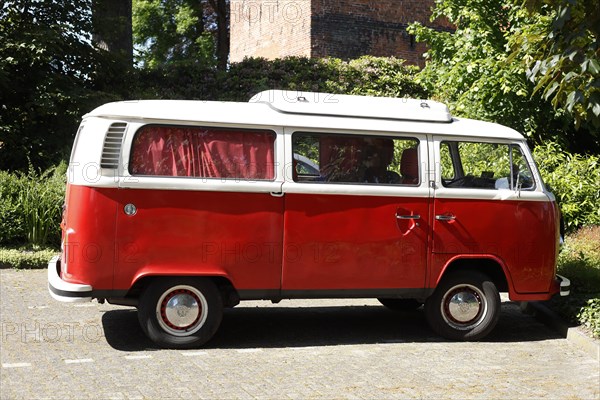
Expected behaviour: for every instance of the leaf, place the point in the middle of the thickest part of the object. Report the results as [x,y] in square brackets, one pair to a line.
[570,103]
[572,55]
[594,66]
[551,89]
[570,76]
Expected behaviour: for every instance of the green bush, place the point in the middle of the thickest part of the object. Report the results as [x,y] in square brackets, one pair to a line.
[589,316]
[12,219]
[25,257]
[575,180]
[375,76]
[31,206]
[579,261]
[378,76]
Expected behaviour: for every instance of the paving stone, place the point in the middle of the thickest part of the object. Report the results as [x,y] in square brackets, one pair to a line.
[310,349]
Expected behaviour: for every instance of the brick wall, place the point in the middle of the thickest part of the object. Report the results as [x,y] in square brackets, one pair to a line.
[345,29]
[350,28]
[269,28]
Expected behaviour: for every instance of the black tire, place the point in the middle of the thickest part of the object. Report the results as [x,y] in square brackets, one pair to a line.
[401,304]
[464,306]
[180,313]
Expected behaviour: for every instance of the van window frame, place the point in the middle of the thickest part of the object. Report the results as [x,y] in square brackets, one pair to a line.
[367,134]
[457,163]
[270,131]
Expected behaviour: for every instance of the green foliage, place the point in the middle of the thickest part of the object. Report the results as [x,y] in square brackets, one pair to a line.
[560,49]
[171,31]
[479,158]
[25,257]
[31,206]
[375,76]
[579,261]
[12,220]
[48,76]
[589,316]
[469,69]
[575,180]
[246,78]
[475,71]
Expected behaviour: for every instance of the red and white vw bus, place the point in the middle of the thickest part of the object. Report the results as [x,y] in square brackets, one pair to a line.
[182,208]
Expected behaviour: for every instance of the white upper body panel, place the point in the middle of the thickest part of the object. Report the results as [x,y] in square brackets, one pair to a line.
[376,117]
[283,113]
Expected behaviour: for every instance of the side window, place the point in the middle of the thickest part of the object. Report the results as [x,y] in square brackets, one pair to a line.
[446,162]
[478,165]
[522,176]
[357,159]
[186,151]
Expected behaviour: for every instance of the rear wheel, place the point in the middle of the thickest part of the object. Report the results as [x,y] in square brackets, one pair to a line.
[401,304]
[465,306]
[180,312]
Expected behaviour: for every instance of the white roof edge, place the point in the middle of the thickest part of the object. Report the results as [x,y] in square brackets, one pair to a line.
[315,103]
[263,114]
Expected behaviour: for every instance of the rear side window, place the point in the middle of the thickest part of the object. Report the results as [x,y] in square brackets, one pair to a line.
[357,159]
[477,165]
[186,151]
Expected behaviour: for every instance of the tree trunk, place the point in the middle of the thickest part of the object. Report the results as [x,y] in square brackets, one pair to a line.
[222,11]
[112,29]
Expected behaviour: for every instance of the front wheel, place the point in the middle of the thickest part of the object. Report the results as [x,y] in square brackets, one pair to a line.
[465,306]
[180,312]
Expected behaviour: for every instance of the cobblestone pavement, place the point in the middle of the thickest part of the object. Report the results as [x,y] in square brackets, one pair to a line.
[295,349]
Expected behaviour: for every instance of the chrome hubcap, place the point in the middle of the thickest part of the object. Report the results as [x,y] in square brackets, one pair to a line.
[464,307]
[181,310]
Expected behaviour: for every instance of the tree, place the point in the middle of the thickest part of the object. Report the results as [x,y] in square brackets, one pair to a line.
[48,75]
[112,30]
[561,52]
[221,14]
[475,70]
[176,31]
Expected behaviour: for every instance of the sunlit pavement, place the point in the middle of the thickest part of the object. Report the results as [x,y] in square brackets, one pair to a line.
[294,349]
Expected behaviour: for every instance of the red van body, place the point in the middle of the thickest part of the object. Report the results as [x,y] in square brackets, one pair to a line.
[183,208]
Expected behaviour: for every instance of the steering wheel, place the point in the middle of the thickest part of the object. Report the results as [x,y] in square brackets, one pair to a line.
[457,182]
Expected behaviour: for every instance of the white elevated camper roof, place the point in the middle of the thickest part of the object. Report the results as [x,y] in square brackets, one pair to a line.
[314,110]
[354,106]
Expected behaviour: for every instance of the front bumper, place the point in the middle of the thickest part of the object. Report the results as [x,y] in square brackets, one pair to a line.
[65,291]
[565,285]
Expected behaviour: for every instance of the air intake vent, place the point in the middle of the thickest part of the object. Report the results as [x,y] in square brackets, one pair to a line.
[112,145]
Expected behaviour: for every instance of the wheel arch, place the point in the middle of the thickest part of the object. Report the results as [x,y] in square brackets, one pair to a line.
[228,292]
[493,267]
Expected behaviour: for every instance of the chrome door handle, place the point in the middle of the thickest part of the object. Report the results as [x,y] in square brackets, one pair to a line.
[417,216]
[445,217]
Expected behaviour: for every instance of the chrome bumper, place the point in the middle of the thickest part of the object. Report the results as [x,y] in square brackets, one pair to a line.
[565,285]
[65,291]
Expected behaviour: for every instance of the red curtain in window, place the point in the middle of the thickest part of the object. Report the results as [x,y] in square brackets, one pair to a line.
[203,152]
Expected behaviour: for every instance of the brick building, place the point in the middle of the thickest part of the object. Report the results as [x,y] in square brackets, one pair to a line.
[345,29]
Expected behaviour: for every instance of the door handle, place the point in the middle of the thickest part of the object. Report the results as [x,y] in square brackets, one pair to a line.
[417,216]
[445,217]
